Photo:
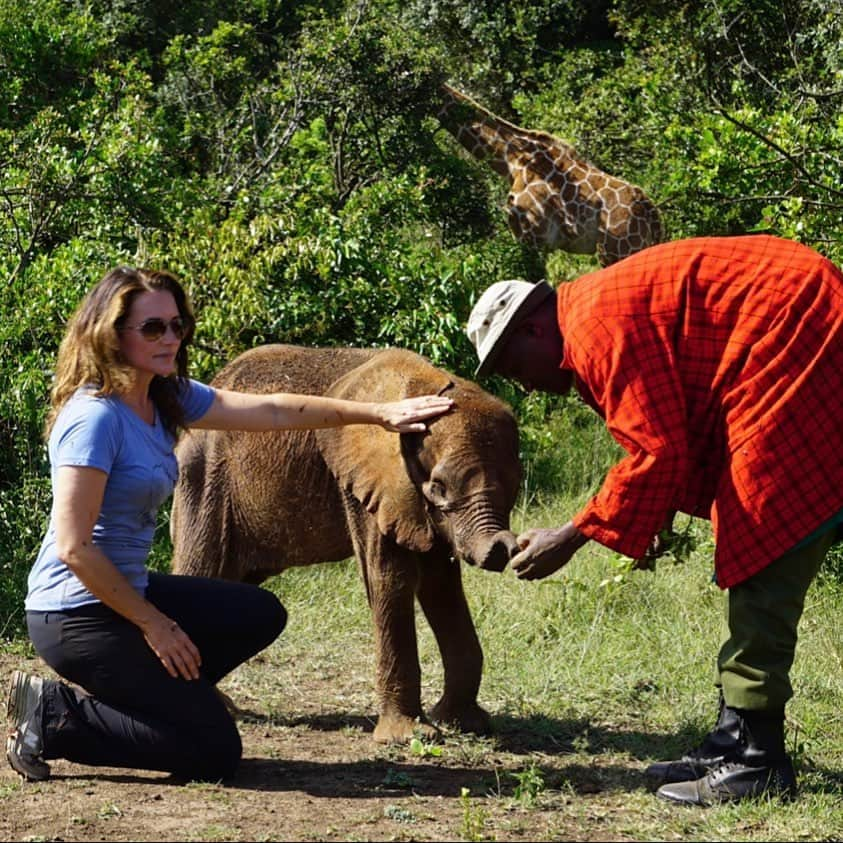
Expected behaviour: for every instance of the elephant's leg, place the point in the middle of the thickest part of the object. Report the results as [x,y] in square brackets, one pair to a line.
[443,602]
[391,578]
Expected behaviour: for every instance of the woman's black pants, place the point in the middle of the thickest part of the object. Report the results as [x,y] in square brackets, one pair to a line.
[134,713]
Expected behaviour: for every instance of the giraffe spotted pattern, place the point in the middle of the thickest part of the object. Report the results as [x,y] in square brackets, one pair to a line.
[557,200]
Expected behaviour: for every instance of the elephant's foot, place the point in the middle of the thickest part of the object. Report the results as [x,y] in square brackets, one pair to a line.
[399,728]
[467,717]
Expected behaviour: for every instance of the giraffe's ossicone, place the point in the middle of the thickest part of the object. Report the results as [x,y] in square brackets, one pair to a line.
[557,200]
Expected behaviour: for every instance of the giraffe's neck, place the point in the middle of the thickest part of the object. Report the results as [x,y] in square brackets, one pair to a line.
[486,136]
[557,199]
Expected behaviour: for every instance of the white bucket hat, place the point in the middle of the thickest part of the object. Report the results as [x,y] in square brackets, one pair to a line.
[496,313]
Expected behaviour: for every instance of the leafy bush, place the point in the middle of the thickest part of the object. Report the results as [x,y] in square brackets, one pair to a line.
[284,159]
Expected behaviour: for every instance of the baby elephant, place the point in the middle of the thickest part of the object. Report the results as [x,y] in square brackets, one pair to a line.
[249,505]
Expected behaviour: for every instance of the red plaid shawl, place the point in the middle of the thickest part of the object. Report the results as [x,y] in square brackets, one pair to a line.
[717,364]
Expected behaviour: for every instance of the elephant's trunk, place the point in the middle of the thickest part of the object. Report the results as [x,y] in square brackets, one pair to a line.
[502,547]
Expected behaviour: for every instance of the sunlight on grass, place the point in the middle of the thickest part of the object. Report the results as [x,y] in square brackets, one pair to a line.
[595,662]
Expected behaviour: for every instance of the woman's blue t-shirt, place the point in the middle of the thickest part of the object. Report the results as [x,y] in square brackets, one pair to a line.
[104,433]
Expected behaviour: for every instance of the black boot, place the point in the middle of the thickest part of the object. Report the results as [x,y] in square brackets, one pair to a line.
[718,745]
[759,767]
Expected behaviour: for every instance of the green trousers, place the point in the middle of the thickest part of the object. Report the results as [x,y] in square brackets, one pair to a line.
[762,616]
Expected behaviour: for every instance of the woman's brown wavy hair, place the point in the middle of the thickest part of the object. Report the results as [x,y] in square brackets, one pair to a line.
[90,354]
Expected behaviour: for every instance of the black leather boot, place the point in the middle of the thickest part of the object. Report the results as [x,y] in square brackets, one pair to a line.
[718,745]
[759,767]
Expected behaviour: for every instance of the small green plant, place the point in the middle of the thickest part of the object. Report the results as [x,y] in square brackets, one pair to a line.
[622,565]
[397,779]
[109,811]
[473,817]
[530,785]
[215,832]
[670,544]
[424,749]
[401,815]
[581,743]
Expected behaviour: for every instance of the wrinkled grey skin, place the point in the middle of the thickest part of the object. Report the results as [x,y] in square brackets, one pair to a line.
[249,505]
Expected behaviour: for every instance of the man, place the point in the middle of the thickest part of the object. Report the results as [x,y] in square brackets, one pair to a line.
[717,364]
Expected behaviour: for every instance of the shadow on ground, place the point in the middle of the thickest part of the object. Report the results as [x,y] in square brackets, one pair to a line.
[521,747]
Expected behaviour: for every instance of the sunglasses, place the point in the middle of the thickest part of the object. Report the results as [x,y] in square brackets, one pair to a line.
[155,328]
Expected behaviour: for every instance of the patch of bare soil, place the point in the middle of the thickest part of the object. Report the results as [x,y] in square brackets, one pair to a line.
[318,775]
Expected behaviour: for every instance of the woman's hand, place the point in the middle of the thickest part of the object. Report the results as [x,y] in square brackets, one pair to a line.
[171,644]
[409,415]
[77,500]
[545,551]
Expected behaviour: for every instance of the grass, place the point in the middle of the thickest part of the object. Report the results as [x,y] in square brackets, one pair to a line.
[603,671]
[589,675]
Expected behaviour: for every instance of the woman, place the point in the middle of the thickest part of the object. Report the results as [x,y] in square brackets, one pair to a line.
[147,648]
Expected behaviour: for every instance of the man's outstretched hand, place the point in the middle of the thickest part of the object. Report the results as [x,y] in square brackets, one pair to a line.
[545,550]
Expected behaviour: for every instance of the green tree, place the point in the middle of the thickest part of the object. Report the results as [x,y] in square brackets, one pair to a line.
[284,158]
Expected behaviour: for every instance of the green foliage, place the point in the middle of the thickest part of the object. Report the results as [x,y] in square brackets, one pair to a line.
[424,749]
[285,160]
[474,818]
[499,46]
[22,525]
[566,449]
[529,786]
[832,568]
[745,130]
[47,50]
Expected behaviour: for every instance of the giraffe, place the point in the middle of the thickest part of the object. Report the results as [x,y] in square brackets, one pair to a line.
[557,200]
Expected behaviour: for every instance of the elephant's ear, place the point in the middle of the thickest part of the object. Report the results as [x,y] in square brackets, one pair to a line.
[366,460]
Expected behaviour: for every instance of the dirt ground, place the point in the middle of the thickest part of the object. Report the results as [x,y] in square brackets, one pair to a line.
[318,775]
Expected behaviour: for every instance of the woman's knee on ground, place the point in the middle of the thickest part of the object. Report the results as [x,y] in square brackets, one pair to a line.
[216,754]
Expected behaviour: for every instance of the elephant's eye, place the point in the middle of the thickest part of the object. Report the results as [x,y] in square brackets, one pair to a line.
[434,491]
